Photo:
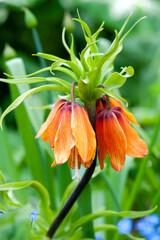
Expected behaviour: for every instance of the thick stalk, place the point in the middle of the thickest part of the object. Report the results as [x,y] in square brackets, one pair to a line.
[71,200]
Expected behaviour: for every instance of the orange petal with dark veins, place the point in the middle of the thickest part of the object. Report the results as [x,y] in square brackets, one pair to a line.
[115,140]
[115,103]
[136,147]
[54,128]
[102,150]
[83,133]
[50,118]
[64,140]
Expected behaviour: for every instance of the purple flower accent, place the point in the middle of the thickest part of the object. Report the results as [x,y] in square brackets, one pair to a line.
[2,212]
[34,216]
[125,226]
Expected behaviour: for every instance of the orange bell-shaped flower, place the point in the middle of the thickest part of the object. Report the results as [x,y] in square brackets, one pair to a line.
[70,133]
[116,137]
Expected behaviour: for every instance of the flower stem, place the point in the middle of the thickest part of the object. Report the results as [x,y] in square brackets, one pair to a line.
[72,93]
[71,200]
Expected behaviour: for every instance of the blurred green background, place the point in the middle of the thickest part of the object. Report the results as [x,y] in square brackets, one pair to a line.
[22,158]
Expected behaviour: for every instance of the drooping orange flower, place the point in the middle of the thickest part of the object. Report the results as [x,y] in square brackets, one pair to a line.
[101,103]
[70,133]
[115,135]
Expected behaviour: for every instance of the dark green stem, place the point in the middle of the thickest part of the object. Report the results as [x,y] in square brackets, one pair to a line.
[72,199]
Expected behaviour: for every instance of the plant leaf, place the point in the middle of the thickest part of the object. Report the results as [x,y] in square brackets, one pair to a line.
[17,102]
[116,80]
[64,41]
[45,200]
[124,214]
[47,56]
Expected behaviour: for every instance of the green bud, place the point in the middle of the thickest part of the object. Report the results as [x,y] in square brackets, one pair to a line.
[67,22]
[29,18]
[8,52]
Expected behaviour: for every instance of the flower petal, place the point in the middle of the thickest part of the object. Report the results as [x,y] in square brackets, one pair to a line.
[64,138]
[71,160]
[83,132]
[100,104]
[50,118]
[102,150]
[53,128]
[136,147]
[115,140]
[115,103]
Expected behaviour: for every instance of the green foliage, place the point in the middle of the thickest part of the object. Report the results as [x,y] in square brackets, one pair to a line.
[26,164]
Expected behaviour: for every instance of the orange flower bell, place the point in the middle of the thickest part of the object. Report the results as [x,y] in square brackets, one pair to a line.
[115,135]
[70,133]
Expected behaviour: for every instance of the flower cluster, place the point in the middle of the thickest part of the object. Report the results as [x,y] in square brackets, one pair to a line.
[70,133]
[148,227]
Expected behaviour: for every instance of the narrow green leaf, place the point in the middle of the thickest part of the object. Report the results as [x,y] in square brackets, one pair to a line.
[84,26]
[77,71]
[124,214]
[8,165]
[111,227]
[64,83]
[85,207]
[110,52]
[17,102]
[24,117]
[105,227]
[47,56]
[95,35]
[73,57]
[57,67]
[23,80]
[124,25]
[64,41]
[84,57]
[29,75]
[125,35]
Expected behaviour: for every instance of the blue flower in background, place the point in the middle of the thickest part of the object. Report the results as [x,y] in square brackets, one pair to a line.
[158,229]
[144,227]
[154,236]
[98,237]
[154,219]
[34,216]
[2,212]
[125,226]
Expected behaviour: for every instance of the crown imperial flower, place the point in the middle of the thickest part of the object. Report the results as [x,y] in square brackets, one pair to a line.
[70,133]
[115,135]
